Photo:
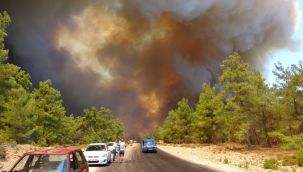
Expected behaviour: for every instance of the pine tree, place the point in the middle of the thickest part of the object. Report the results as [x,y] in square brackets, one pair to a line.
[178,126]
[209,121]
[50,113]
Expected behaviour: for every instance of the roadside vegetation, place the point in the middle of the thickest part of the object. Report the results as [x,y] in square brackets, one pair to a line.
[271,164]
[242,108]
[37,115]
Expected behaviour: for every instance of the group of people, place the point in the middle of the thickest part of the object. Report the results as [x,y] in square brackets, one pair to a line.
[119,147]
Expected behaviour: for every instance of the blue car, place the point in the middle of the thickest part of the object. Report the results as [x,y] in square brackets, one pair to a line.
[149,145]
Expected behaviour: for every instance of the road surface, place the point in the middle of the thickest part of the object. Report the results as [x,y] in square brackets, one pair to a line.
[136,161]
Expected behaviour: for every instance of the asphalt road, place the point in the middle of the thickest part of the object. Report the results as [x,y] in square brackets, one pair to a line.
[136,161]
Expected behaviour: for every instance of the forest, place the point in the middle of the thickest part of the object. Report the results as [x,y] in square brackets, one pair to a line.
[241,108]
[37,115]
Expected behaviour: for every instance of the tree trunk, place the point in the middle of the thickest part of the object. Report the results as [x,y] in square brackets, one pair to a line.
[248,140]
[296,109]
[266,130]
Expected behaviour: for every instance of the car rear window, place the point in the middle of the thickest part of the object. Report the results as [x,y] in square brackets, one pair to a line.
[96,148]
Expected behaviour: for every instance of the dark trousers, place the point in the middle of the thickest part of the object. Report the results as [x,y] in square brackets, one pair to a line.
[115,153]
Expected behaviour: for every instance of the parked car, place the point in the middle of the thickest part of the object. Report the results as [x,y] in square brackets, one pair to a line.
[110,146]
[149,145]
[68,159]
[98,154]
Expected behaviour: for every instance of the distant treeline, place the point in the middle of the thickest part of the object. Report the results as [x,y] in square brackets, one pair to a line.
[38,116]
[241,108]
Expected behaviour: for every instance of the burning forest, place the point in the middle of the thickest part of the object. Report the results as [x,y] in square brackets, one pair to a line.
[140,57]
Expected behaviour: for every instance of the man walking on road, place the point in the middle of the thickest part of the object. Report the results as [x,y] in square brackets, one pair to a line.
[122,150]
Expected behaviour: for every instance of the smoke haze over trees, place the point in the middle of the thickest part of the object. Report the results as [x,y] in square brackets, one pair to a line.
[140,57]
[242,108]
[38,116]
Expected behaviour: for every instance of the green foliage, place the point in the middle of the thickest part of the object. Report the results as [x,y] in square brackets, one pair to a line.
[98,125]
[4,21]
[5,137]
[299,157]
[289,161]
[71,130]
[289,89]
[271,164]
[177,127]
[243,109]
[210,122]
[15,102]
[18,118]
[225,161]
[49,113]
[247,100]
[289,142]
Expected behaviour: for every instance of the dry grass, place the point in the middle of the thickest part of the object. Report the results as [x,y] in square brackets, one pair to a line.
[237,155]
[2,152]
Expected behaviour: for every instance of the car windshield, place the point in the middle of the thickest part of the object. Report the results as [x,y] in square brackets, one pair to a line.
[149,143]
[42,163]
[110,144]
[96,148]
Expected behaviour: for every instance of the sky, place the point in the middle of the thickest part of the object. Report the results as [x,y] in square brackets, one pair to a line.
[286,56]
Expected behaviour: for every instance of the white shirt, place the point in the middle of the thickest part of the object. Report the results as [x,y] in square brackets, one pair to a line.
[115,145]
[122,146]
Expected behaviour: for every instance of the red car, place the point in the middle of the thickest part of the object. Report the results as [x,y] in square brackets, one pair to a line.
[67,159]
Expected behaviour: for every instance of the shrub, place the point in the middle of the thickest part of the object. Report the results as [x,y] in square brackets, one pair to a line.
[225,160]
[246,165]
[299,157]
[2,152]
[288,161]
[271,164]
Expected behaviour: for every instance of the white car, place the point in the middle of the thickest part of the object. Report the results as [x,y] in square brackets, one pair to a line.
[97,154]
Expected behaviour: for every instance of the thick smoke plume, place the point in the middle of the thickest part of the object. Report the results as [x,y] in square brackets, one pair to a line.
[139,57]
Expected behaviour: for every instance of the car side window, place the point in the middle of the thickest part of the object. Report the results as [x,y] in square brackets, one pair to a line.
[80,158]
[21,165]
[73,162]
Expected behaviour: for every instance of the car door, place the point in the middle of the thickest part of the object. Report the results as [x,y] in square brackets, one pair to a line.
[81,161]
[74,164]
[109,154]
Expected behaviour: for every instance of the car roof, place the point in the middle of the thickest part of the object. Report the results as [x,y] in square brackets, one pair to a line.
[61,151]
[92,144]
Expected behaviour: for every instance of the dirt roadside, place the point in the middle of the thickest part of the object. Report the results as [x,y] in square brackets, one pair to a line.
[230,158]
[12,153]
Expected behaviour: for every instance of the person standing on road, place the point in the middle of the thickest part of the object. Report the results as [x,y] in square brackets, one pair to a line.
[115,150]
[122,150]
